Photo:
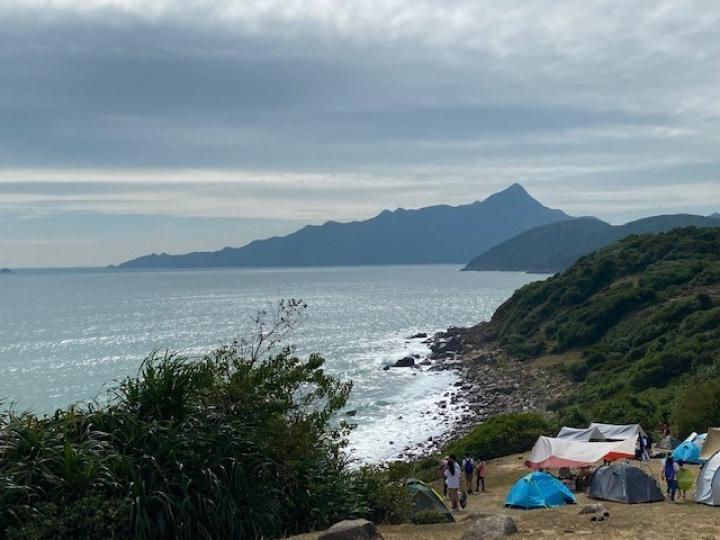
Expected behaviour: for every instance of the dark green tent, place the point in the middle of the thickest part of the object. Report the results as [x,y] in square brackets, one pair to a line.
[426,499]
[623,483]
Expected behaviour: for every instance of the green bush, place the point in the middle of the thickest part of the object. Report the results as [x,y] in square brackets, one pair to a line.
[387,500]
[501,435]
[238,444]
[697,407]
[428,517]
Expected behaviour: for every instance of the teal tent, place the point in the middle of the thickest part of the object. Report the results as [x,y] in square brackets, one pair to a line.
[688,451]
[426,499]
[539,490]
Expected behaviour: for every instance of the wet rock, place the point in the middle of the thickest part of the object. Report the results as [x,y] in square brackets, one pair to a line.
[408,361]
[419,335]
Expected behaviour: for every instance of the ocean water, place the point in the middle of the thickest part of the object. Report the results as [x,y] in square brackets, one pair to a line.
[66,334]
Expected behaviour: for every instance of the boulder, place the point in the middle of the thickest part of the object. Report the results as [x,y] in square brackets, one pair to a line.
[489,527]
[356,529]
[419,335]
[408,361]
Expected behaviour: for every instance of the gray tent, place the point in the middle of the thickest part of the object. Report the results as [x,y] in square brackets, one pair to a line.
[426,499]
[668,443]
[621,482]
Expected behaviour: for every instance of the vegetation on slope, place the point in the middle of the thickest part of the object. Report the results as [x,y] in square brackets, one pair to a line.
[554,247]
[644,315]
[239,444]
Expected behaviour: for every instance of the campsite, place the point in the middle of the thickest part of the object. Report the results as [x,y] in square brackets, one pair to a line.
[537,490]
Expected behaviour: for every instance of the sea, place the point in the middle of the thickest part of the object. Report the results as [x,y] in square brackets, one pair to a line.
[66,335]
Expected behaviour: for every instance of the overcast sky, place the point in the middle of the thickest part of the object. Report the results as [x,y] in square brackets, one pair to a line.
[130,126]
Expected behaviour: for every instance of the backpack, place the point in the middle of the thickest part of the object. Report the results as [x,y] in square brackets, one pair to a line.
[468,467]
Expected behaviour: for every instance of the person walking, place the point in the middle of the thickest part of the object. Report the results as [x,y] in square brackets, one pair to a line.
[452,478]
[644,448]
[480,473]
[468,466]
[670,470]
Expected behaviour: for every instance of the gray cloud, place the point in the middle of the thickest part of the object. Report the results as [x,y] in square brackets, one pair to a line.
[321,110]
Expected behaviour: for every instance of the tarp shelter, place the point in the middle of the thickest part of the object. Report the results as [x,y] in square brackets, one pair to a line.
[556,453]
[708,483]
[581,434]
[426,499]
[539,490]
[619,432]
[623,483]
[712,444]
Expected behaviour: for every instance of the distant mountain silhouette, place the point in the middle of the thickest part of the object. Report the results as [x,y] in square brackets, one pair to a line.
[436,234]
[554,247]
[716,215]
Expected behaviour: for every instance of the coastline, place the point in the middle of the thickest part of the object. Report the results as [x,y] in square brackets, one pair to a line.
[490,383]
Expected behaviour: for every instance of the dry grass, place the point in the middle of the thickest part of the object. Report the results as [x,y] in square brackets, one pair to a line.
[654,521]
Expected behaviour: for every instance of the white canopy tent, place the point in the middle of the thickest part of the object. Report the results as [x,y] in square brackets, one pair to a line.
[712,444]
[555,453]
[708,483]
[619,432]
[581,434]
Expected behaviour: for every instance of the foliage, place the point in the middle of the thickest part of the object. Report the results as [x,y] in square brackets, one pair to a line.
[501,435]
[697,407]
[428,517]
[238,444]
[387,499]
[645,313]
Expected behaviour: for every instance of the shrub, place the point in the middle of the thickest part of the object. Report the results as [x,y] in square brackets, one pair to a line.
[428,517]
[697,407]
[501,435]
[387,500]
[238,444]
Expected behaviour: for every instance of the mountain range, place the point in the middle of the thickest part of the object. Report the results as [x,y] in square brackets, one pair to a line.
[435,234]
[552,248]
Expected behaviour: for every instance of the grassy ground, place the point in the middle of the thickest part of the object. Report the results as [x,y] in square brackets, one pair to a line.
[661,520]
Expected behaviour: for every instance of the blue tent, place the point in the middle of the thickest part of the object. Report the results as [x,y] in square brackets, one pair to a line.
[539,490]
[688,451]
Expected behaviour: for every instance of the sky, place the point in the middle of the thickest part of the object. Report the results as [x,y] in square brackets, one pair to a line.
[129,127]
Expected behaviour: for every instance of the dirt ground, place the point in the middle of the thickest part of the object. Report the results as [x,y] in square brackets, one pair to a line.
[661,520]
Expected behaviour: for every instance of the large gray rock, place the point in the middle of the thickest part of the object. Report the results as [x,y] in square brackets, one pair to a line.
[489,527]
[356,529]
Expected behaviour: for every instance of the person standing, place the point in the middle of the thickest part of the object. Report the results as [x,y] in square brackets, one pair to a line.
[468,466]
[670,470]
[452,478]
[644,448]
[443,470]
[480,473]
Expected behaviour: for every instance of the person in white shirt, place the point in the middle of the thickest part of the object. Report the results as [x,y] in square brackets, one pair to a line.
[452,479]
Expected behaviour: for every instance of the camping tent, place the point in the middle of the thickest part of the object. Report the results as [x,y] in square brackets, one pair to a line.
[619,432]
[581,434]
[689,450]
[708,483]
[426,499]
[712,444]
[621,482]
[539,490]
[552,452]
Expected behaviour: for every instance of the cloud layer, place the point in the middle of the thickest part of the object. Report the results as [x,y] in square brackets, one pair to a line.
[316,110]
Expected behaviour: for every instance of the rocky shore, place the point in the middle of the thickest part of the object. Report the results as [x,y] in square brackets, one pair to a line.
[490,383]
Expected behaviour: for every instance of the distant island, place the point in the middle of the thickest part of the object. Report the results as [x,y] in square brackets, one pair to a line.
[554,247]
[5,271]
[435,234]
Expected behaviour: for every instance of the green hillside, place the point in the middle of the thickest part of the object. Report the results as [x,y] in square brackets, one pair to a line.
[639,319]
[554,247]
